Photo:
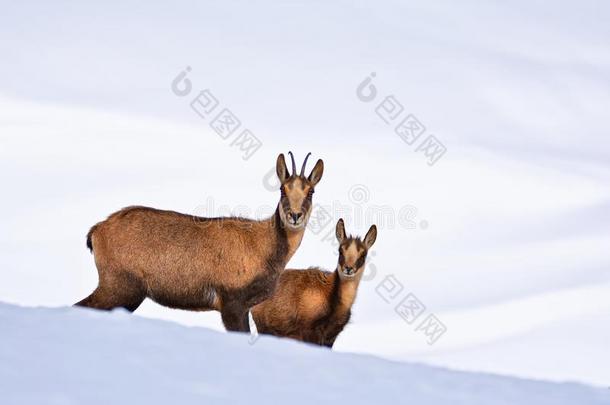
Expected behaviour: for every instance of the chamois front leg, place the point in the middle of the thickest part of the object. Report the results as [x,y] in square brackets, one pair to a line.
[329,343]
[235,317]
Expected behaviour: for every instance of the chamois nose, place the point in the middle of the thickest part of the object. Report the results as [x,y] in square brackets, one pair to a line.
[349,271]
[295,217]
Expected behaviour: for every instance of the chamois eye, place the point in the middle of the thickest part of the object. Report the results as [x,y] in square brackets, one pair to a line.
[310,193]
[341,258]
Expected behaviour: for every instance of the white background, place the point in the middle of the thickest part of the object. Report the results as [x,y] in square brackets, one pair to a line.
[514,260]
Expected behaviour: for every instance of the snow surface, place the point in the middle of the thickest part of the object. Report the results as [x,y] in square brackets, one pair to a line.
[515,257]
[66,356]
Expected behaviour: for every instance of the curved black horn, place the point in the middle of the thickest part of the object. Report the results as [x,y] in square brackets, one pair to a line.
[304,164]
[294,165]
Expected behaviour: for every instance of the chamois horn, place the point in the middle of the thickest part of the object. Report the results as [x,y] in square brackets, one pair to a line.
[294,165]
[304,164]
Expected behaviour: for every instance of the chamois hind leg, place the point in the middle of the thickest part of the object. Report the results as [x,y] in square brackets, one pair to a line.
[235,317]
[123,290]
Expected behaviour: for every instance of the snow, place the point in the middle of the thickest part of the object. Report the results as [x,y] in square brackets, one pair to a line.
[76,356]
[514,260]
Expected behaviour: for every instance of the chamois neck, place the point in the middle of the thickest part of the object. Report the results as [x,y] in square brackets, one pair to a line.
[293,237]
[346,291]
[284,241]
[294,241]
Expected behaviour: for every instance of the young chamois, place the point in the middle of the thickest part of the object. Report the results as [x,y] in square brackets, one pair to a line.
[314,305]
[194,263]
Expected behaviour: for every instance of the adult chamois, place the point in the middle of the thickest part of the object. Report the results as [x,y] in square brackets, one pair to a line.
[181,261]
[314,305]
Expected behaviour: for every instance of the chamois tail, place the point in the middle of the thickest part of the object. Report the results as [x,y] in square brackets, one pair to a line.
[89,236]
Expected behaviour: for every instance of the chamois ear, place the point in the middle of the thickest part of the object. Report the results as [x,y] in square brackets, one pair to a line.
[281,168]
[370,237]
[340,230]
[316,174]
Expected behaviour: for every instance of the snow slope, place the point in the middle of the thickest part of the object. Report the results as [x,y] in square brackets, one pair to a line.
[514,256]
[54,165]
[79,356]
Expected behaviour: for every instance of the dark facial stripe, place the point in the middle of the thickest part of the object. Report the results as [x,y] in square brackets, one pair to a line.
[360,261]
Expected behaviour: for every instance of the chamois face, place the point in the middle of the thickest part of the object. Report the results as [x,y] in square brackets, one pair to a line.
[353,251]
[296,192]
